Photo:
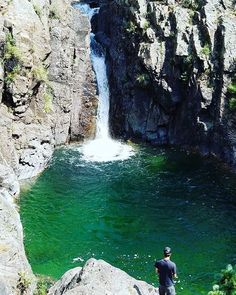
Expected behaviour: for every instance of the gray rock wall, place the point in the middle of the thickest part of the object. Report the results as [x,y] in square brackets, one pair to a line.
[170,66]
[15,272]
[47,88]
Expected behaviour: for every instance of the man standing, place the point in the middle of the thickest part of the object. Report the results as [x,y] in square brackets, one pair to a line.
[166,269]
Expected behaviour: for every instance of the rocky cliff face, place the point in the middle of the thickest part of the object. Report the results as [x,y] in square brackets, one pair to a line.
[47,89]
[47,98]
[172,72]
[16,276]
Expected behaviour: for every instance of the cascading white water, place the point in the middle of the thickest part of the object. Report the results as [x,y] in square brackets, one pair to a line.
[103,148]
[99,66]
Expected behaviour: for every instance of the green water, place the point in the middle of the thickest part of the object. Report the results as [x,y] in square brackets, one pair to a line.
[126,212]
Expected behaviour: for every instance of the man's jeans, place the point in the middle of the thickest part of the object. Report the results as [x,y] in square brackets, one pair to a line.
[166,290]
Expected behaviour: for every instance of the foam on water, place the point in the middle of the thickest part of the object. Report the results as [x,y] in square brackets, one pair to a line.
[103,148]
[100,150]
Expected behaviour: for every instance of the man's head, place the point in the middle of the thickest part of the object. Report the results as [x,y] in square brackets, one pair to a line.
[167,251]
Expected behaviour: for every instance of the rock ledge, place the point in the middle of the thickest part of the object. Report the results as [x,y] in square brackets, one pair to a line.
[97,277]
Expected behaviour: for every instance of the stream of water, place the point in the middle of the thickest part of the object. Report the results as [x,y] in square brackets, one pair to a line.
[103,148]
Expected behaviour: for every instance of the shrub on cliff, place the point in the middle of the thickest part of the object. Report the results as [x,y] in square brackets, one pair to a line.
[43,284]
[48,98]
[143,80]
[41,74]
[11,59]
[232,95]
[232,104]
[53,13]
[232,88]
[226,282]
[10,49]
[37,10]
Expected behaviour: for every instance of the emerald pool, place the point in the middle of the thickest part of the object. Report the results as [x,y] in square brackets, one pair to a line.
[126,212]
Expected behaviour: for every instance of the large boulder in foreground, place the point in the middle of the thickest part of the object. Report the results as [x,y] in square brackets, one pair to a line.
[98,277]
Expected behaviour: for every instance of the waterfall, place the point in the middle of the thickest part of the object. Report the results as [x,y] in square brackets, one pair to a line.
[99,66]
[103,148]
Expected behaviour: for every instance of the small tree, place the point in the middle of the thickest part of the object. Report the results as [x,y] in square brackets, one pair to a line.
[226,282]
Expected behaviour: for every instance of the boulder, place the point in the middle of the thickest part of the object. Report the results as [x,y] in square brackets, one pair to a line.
[98,277]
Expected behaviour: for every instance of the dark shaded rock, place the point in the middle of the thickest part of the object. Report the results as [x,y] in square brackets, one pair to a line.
[169,67]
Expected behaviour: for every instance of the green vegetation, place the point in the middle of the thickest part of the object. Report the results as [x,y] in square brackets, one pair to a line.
[41,74]
[53,13]
[23,283]
[193,4]
[226,282]
[131,4]
[11,76]
[37,10]
[186,66]
[145,25]
[10,49]
[48,97]
[11,59]
[232,95]
[232,104]
[143,80]
[130,27]
[184,77]
[43,284]
[190,4]
[136,29]
[206,50]
[232,88]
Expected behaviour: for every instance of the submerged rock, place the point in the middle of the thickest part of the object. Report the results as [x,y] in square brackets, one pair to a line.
[98,277]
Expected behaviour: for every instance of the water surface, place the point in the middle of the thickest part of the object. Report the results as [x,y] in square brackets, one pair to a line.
[126,212]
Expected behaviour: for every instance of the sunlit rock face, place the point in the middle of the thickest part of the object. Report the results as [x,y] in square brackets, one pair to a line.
[171,67]
[13,263]
[99,277]
[47,86]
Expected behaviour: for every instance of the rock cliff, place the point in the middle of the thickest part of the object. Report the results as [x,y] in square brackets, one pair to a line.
[15,272]
[172,68]
[47,98]
[100,278]
[172,75]
[47,88]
